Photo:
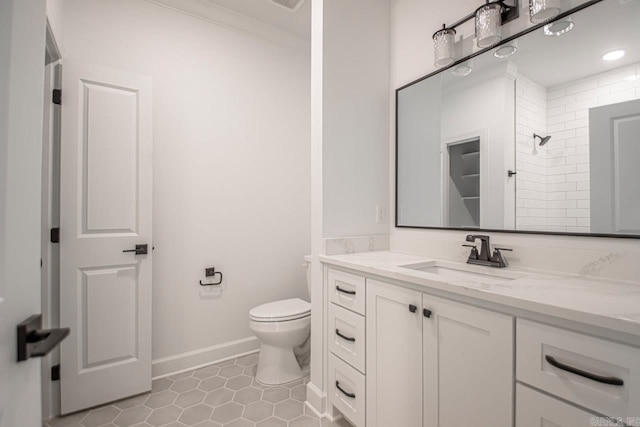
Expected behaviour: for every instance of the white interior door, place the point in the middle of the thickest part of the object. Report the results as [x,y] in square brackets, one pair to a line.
[105,209]
[22,43]
[614,150]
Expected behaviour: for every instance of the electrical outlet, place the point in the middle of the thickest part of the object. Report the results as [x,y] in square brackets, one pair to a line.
[381,214]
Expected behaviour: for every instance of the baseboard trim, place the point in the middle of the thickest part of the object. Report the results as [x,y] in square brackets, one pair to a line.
[316,400]
[203,357]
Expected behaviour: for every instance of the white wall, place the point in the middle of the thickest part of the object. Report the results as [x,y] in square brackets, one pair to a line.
[231,162]
[350,128]
[481,105]
[55,17]
[412,25]
[355,116]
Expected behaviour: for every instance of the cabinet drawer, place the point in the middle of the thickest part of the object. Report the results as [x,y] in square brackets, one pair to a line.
[546,357]
[347,391]
[534,409]
[347,290]
[347,336]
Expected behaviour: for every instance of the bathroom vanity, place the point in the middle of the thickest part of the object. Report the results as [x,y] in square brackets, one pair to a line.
[419,342]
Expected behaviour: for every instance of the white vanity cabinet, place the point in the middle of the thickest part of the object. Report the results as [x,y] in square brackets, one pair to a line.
[443,363]
[400,356]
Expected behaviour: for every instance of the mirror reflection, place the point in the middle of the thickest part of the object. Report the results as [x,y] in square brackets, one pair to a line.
[540,134]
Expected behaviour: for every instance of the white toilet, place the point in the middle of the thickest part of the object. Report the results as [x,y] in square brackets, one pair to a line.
[282,327]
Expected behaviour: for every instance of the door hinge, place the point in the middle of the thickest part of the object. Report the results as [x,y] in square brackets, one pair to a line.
[55,235]
[57,96]
[55,373]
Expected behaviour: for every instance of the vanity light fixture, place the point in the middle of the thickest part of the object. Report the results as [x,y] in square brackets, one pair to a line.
[488,21]
[506,50]
[444,46]
[613,55]
[559,27]
[543,10]
[488,24]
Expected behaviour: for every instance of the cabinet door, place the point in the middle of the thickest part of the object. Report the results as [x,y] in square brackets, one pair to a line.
[394,356]
[468,365]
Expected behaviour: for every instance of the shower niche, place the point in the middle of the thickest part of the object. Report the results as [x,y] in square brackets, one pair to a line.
[462,184]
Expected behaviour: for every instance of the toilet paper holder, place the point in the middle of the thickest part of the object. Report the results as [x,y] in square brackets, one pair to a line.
[211,272]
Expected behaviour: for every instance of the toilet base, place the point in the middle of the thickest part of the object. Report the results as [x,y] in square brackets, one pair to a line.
[277,366]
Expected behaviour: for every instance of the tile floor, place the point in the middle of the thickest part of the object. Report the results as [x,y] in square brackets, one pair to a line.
[225,394]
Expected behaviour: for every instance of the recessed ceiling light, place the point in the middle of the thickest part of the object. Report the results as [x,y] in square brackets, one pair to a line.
[613,55]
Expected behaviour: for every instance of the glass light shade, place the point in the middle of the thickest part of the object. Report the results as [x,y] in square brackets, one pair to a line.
[506,50]
[543,10]
[488,25]
[558,28]
[444,47]
[464,69]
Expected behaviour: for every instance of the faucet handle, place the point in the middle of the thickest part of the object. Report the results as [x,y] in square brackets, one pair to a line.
[474,251]
[498,259]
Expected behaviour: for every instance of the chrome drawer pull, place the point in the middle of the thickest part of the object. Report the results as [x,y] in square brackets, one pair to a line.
[351,395]
[344,337]
[344,291]
[598,378]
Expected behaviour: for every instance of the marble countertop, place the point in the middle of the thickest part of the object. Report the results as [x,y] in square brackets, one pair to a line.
[610,304]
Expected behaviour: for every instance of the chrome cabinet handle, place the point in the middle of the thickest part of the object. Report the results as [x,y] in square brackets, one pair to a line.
[351,395]
[594,377]
[344,337]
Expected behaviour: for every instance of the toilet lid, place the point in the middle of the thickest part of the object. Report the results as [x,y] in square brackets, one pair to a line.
[288,309]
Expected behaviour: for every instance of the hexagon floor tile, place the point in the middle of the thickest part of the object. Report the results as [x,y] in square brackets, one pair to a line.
[222,395]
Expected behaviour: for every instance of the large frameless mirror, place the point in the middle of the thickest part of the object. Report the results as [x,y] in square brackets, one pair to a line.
[539,134]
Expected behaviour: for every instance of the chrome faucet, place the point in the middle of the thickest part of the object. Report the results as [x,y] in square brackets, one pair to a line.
[484,257]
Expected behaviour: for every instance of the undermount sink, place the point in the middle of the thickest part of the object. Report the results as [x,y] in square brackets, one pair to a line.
[463,272]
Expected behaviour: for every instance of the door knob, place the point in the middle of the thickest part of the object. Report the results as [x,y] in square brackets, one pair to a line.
[139,250]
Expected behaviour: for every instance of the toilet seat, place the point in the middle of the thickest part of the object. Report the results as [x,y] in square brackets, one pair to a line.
[281,311]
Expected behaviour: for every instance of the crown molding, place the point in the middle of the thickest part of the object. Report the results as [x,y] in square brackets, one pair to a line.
[232,20]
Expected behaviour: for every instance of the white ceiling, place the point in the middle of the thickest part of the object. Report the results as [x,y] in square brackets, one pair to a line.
[296,22]
[603,27]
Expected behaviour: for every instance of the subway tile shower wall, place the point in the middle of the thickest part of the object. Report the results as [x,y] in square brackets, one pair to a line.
[531,184]
[553,186]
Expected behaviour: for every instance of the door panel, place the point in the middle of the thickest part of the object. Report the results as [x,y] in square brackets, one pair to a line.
[110,339]
[110,159]
[105,209]
[467,350]
[614,175]
[394,356]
